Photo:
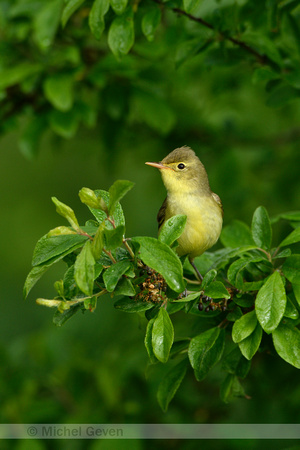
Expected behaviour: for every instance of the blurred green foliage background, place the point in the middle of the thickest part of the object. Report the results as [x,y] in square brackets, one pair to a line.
[122,113]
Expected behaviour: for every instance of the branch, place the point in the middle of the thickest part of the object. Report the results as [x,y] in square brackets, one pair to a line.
[277,141]
[262,59]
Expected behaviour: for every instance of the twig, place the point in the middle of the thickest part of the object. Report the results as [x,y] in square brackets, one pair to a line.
[111,220]
[56,303]
[109,254]
[223,324]
[266,253]
[262,59]
[192,281]
[129,249]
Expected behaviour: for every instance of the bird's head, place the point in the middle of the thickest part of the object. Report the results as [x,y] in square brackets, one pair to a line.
[181,170]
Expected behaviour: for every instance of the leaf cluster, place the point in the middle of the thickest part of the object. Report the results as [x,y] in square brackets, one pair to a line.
[247,303]
[57,71]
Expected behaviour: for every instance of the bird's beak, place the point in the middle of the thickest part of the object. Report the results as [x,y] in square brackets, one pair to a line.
[158,165]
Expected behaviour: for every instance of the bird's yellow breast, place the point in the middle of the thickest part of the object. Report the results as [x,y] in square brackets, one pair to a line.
[204,222]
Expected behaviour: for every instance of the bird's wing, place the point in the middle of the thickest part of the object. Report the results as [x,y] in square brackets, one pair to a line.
[218,200]
[162,213]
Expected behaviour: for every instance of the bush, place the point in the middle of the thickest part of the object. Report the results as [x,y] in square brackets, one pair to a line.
[250,290]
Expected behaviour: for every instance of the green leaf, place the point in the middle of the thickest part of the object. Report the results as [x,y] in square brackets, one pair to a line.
[178,347]
[283,254]
[148,342]
[117,192]
[64,124]
[132,305]
[291,238]
[101,215]
[223,256]
[69,9]
[296,289]
[288,5]
[152,313]
[38,271]
[54,246]
[125,287]
[34,275]
[59,286]
[118,6]
[98,269]
[252,285]
[162,336]
[292,216]
[243,327]
[205,350]
[57,231]
[70,288]
[113,238]
[58,90]
[188,298]
[250,344]
[150,22]
[170,383]
[98,242]
[66,212]
[287,344]
[231,388]
[53,303]
[263,74]
[192,47]
[263,45]
[96,17]
[234,314]
[219,57]
[172,229]
[17,73]
[174,307]
[208,278]
[246,301]
[46,22]
[294,29]
[216,289]
[236,364]
[237,234]
[89,198]
[281,95]
[60,318]
[90,303]
[121,34]
[270,303]
[235,270]
[113,274]
[190,5]
[261,228]
[291,270]
[290,310]
[84,269]
[161,258]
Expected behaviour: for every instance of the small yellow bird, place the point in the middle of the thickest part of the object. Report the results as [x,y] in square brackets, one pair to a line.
[189,193]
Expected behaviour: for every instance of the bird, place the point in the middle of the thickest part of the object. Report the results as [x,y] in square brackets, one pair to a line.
[189,193]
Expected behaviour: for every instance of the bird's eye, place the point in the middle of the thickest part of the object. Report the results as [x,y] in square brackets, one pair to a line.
[181,166]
